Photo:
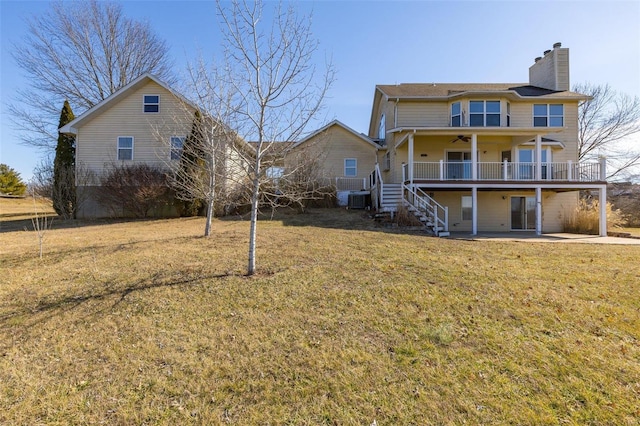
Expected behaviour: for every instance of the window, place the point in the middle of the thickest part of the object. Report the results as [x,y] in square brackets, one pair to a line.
[382,131]
[466,207]
[177,143]
[456,117]
[548,115]
[151,103]
[125,147]
[387,161]
[350,167]
[508,114]
[484,113]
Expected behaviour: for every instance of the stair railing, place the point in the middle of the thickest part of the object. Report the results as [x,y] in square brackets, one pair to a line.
[437,215]
[376,187]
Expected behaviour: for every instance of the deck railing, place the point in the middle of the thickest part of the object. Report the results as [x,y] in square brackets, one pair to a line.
[507,171]
[351,184]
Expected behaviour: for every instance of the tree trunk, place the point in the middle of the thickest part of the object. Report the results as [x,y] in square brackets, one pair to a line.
[207,226]
[255,196]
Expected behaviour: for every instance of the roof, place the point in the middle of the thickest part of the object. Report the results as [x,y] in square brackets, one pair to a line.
[72,126]
[451,90]
[362,136]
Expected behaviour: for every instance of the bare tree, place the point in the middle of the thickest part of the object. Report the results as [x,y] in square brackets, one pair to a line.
[271,76]
[83,52]
[604,122]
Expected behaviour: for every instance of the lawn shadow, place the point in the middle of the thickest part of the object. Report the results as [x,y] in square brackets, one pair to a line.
[55,305]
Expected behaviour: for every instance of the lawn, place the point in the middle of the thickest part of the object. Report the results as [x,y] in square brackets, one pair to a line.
[147,322]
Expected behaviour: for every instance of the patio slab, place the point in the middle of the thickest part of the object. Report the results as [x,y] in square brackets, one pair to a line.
[561,237]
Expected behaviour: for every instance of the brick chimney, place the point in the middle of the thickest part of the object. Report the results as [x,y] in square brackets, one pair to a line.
[551,71]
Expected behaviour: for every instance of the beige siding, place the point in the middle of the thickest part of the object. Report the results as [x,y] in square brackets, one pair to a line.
[98,137]
[333,146]
[423,114]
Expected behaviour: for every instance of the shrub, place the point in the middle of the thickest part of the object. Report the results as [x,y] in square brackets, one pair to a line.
[404,217]
[134,190]
[10,181]
[585,219]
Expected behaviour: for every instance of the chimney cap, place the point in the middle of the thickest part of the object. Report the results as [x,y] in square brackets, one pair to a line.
[538,58]
[558,44]
[546,51]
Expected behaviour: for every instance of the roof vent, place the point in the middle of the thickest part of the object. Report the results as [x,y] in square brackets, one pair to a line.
[538,58]
[558,44]
[546,51]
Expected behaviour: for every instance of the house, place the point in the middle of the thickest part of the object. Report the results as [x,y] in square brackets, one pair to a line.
[344,156]
[484,157]
[144,122]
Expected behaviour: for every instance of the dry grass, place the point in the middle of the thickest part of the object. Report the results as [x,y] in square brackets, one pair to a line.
[145,322]
[585,218]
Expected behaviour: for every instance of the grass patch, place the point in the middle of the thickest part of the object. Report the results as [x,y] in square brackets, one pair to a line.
[146,322]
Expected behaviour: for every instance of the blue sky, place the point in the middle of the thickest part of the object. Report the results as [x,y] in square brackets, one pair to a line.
[386,42]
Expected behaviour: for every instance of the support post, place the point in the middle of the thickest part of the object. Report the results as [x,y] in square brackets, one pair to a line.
[474,156]
[441,169]
[603,168]
[474,211]
[538,157]
[569,170]
[603,210]
[538,211]
[411,159]
[505,172]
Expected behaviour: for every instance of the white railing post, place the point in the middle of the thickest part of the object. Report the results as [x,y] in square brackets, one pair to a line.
[403,172]
[603,168]
[505,172]
[569,170]
[446,219]
[441,169]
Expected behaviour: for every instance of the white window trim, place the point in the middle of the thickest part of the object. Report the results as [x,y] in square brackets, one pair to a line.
[547,116]
[133,142]
[354,167]
[145,104]
[171,149]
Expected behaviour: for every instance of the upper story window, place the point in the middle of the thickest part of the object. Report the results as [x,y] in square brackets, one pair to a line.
[125,147]
[177,142]
[382,130]
[350,167]
[456,114]
[151,103]
[508,114]
[548,115]
[484,113]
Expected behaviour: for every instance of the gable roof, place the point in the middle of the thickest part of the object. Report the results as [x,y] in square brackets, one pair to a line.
[361,136]
[452,90]
[72,126]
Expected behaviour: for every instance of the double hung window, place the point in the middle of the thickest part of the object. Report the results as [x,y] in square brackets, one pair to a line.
[177,142]
[548,115]
[456,114]
[125,147]
[350,167]
[151,103]
[484,113]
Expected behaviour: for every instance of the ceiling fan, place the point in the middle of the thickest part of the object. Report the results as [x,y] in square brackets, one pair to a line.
[461,138]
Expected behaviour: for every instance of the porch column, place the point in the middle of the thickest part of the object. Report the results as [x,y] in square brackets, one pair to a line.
[474,211]
[602,195]
[474,156]
[410,159]
[538,211]
[538,157]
